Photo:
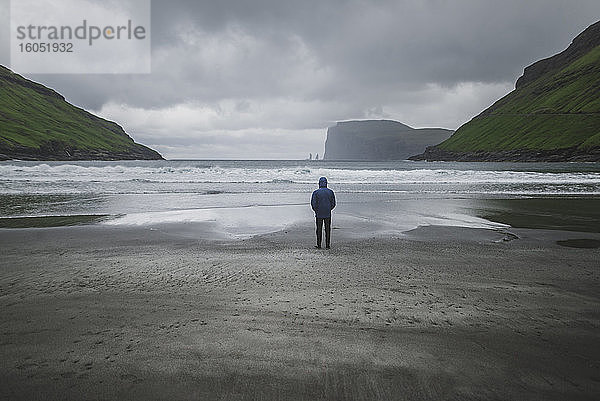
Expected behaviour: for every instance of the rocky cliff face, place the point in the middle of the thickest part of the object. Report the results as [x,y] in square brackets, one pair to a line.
[582,44]
[559,155]
[379,140]
[36,123]
[57,150]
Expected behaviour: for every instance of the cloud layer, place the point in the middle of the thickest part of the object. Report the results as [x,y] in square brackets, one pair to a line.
[263,79]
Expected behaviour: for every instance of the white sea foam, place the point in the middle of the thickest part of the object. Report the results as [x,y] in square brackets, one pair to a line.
[66,173]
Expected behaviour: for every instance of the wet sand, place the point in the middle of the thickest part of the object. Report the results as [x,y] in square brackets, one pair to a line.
[440,313]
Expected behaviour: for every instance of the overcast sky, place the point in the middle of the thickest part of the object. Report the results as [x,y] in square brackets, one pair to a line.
[264,79]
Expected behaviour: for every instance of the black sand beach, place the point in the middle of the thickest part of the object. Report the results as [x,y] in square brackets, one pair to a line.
[96,312]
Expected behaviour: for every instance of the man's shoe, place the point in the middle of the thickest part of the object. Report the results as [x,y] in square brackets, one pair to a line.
[318,246]
[327,247]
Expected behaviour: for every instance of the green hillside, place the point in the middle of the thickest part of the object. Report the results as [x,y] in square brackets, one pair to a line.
[553,114]
[37,123]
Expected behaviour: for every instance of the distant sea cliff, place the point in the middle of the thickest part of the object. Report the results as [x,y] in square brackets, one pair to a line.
[379,140]
[552,115]
[36,123]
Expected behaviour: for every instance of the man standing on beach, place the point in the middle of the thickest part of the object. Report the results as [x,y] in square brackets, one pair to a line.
[322,202]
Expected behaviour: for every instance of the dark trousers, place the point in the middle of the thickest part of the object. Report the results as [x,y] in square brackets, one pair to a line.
[320,231]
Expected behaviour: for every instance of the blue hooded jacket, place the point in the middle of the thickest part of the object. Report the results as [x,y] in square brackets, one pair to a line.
[323,200]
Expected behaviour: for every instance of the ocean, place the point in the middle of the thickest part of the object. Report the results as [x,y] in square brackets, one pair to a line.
[244,198]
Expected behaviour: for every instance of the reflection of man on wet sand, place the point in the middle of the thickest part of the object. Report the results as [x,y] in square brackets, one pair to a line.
[322,202]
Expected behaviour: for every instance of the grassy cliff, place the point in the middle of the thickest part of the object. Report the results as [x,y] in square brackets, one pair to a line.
[36,123]
[553,114]
[379,140]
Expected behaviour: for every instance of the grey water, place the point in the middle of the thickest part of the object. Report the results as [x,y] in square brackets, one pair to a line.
[250,197]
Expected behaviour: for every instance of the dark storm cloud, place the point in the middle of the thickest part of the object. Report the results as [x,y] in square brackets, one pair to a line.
[366,45]
[297,65]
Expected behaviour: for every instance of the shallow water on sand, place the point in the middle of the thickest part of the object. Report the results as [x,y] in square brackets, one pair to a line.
[243,198]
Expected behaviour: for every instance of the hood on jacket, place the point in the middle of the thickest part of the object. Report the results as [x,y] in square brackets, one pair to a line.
[322,182]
